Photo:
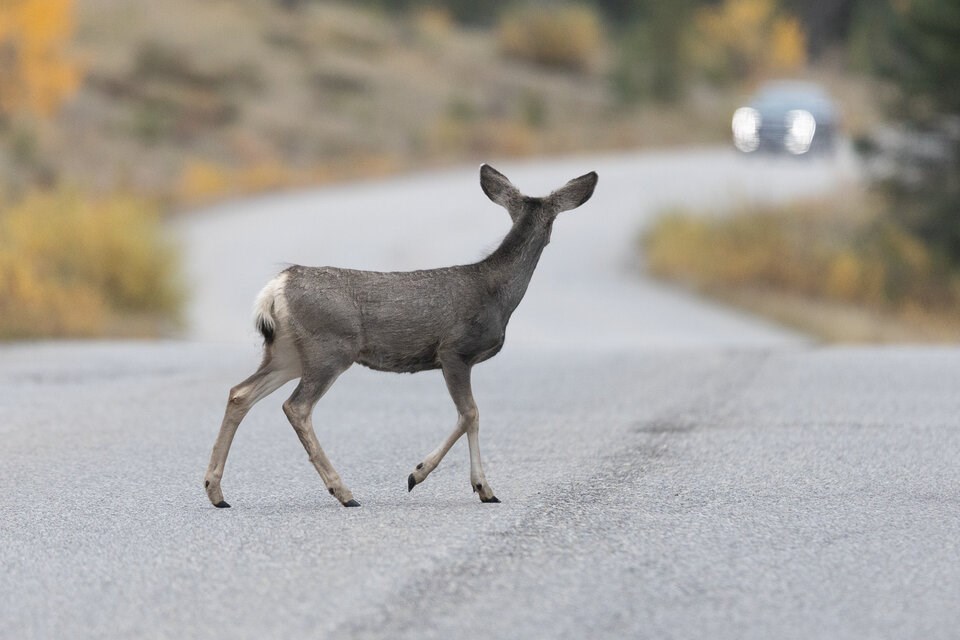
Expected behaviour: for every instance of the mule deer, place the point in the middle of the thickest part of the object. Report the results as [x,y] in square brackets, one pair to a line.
[317,321]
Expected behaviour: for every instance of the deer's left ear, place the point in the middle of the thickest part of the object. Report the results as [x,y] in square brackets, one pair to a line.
[574,193]
[498,188]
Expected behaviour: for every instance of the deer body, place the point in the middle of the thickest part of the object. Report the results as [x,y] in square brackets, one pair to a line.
[439,310]
[318,321]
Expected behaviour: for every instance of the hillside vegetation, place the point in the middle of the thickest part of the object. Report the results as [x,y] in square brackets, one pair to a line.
[191,101]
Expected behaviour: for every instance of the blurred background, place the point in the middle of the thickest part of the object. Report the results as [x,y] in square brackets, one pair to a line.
[117,116]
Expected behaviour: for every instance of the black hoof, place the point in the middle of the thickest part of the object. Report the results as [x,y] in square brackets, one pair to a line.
[352,503]
[411,483]
[222,505]
[490,499]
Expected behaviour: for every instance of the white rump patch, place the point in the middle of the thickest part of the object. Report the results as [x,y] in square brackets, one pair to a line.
[271,305]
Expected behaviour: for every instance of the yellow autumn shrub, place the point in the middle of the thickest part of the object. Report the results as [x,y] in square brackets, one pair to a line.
[812,249]
[203,181]
[73,266]
[37,71]
[740,39]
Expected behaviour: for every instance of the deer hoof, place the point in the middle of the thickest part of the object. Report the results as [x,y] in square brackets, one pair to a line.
[222,505]
[352,503]
[490,499]
[411,483]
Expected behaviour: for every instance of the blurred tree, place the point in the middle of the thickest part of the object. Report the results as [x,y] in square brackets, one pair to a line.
[619,15]
[826,22]
[624,12]
[37,73]
[921,55]
[652,61]
[739,39]
[291,5]
[468,12]
[568,37]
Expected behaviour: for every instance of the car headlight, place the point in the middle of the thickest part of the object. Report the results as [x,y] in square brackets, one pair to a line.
[746,129]
[801,126]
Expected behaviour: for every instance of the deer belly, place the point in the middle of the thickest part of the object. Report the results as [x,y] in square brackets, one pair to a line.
[481,345]
[486,354]
[399,358]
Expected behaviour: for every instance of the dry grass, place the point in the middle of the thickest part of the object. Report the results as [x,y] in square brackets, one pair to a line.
[202,182]
[840,322]
[830,267]
[72,267]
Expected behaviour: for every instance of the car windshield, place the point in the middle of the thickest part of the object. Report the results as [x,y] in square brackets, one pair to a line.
[787,96]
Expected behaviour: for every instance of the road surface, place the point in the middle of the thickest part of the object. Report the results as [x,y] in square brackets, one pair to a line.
[668,469]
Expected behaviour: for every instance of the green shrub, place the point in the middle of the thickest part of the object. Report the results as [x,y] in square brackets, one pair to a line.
[71,266]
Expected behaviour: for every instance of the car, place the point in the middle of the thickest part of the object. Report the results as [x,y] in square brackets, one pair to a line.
[786,116]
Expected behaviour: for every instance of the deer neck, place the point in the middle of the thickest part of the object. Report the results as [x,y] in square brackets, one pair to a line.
[512,265]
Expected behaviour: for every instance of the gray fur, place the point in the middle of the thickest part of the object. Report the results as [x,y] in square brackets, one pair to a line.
[318,321]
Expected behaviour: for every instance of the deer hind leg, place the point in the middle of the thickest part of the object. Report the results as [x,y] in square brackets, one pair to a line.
[457,376]
[277,369]
[299,409]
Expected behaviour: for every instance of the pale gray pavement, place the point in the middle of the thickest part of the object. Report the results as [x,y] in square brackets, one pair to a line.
[668,469]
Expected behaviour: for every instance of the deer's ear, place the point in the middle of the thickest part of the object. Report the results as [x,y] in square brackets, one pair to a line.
[574,193]
[497,187]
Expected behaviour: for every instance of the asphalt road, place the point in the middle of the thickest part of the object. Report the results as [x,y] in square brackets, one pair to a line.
[668,469]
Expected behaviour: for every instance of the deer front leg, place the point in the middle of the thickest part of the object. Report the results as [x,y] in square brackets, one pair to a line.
[457,376]
[431,461]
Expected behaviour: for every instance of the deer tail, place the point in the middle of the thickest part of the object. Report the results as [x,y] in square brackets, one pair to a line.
[265,308]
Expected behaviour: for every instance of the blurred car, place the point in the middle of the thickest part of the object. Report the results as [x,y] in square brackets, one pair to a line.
[786,116]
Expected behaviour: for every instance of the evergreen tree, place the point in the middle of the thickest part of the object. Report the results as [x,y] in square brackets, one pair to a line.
[826,22]
[652,60]
[922,57]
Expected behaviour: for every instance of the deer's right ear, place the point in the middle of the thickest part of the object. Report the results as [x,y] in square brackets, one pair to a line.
[574,193]
[497,187]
